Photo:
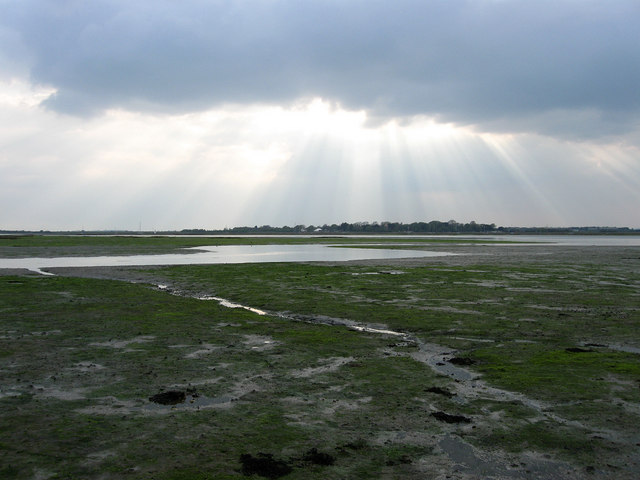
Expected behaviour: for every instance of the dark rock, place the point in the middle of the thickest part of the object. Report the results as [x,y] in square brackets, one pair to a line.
[578,350]
[172,397]
[318,458]
[445,417]
[462,361]
[264,465]
[440,391]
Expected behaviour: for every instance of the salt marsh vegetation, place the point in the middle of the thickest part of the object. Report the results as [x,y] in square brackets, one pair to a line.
[342,370]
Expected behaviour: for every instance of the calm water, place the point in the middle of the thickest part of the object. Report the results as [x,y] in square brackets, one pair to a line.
[570,240]
[576,240]
[302,253]
[222,254]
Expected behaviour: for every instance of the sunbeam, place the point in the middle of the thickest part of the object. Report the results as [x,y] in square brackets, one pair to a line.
[349,170]
[312,162]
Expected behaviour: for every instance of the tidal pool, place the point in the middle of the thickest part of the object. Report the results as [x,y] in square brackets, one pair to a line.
[223,254]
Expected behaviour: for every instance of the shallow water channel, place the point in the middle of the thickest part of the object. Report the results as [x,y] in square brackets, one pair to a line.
[437,357]
[466,387]
[223,254]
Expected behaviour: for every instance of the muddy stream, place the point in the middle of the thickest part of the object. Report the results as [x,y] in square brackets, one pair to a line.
[468,386]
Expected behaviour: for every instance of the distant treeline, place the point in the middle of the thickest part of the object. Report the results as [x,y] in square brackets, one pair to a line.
[434,227]
[373,227]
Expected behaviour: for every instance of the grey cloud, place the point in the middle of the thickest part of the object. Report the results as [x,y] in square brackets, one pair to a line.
[503,65]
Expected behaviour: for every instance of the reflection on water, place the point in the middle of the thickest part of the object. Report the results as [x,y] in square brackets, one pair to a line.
[223,254]
[226,303]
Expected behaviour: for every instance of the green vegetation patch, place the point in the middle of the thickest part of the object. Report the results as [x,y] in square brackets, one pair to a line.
[85,356]
[554,346]
[526,328]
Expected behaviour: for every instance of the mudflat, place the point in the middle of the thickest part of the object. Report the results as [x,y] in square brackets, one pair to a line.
[498,362]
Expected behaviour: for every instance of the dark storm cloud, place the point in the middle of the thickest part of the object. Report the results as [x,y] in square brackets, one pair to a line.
[567,66]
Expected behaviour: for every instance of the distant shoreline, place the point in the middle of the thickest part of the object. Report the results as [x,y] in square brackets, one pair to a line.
[320,231]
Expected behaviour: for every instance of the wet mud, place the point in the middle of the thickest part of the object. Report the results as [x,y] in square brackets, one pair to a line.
[472,464]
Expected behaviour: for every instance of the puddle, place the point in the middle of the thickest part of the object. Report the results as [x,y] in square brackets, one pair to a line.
[614,346]
[13,334]
[124,343]
[66,395]
[329,365]
[480,340]
[486,283]
[624,348]
[205,350]
[226,303]
[10,392]
[382,272]
[361,328]
[87,367]
[463,311]
[42,272]
[96,458]
[259,343]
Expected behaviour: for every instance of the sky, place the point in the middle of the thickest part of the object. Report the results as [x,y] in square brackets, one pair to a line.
[164,115]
